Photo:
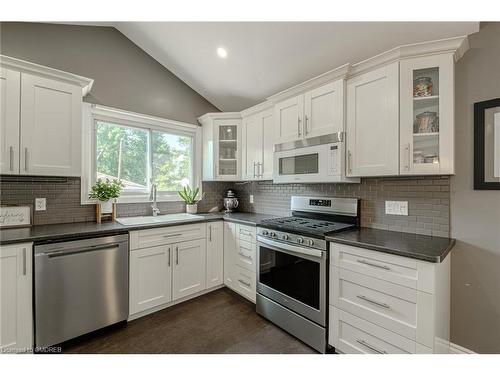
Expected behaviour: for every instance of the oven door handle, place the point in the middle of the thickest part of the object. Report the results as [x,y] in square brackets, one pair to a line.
[279,246]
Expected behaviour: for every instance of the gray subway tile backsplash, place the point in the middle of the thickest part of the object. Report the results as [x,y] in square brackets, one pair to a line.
[428,200]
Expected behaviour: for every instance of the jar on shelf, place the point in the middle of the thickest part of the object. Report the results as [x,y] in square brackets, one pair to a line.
[422,86]
[426,122]
[418,157]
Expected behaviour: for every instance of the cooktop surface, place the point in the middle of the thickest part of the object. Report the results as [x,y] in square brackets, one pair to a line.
[303,225]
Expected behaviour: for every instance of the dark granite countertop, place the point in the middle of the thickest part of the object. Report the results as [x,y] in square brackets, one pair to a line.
[56,232]
[417,246]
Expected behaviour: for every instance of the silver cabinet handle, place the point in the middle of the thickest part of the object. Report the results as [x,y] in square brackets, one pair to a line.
[380,304]
[373,264]
[172,235]
[298,126]
[260,169]
[26,159]
[244,283]
[11,158]
[254,166]
[24,261]
[349,161]
[307,120]
[169,256]
[177,255]
[244,255]
[210,233]
[408,155]
[370,346]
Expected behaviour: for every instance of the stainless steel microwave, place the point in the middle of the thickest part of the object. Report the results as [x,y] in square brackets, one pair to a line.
[313,160]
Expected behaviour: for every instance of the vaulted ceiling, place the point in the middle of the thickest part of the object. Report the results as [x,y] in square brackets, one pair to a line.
[267,57]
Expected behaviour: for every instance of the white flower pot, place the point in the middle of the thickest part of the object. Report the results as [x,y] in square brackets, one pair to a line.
[192,208]
[106,207]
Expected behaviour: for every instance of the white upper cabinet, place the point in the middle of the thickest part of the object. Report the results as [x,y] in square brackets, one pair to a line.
[317,112]
[258,146]
[221,146]
[324,110]
[10,89]
[427,115]
[40,119]
[373,122]
[51,117]
[288,117]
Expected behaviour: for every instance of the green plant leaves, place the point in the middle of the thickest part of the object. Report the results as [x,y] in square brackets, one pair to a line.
[189,195]
[105,190]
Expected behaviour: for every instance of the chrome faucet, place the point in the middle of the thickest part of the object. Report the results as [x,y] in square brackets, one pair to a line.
[152,197]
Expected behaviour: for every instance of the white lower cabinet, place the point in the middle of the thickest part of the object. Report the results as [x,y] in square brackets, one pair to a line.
[189,268]
[171,271]
[215,254]
[240,259]
[150,278]
[384,303]
[16,311]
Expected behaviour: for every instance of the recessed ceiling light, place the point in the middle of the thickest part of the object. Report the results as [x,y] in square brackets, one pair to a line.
[222,52]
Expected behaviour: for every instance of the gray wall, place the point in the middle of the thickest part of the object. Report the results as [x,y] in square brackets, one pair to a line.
[124,76]
[475,215]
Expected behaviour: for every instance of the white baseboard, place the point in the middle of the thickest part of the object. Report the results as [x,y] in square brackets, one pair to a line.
[457,349]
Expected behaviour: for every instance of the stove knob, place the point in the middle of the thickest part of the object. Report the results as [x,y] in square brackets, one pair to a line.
[265,232]
[311,242]
[285,237]
[272,234]
[300,240]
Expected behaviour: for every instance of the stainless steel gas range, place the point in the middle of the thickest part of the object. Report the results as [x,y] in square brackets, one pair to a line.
[292,265]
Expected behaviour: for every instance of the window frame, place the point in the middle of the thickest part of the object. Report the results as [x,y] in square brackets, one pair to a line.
[93,113]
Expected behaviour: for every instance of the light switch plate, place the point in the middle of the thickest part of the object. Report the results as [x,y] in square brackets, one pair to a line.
[396,208]
[40,204]
[251,199]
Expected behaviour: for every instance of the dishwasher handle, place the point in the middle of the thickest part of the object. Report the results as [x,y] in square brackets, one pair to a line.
[60,253]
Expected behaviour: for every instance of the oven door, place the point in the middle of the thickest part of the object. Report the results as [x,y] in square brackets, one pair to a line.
[294,277]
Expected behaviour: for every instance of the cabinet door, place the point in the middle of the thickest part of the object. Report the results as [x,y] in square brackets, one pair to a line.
[227,149]
[252,141]
[288,116]
[427,115]
[16,328]
[150,278]
[373,123]
[51,116]
[266,166]
[10,88]
[229,254]
[324,110]
[215,254]
[189,273]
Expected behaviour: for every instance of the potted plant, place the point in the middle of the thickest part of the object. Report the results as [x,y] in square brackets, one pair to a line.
[106,191]
[189,196]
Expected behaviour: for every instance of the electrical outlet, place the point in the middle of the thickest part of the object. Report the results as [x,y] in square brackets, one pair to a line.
[396,208]
[251,199]
[40,204]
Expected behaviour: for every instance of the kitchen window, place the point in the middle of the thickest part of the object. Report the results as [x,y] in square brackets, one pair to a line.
[139,150]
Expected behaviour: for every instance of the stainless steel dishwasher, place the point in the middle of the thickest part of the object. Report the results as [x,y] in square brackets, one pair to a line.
[80,286]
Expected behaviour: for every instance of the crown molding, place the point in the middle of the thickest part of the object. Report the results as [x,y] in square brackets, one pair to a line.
[338,73]
[40,70]
[261,107]
[456,46]
[219,116]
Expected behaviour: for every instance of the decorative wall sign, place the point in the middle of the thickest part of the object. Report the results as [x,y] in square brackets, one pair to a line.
[15,216]
[487,145]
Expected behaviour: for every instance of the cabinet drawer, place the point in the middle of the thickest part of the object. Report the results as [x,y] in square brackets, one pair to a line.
[388,267]
[350,334]
[140,239]
[244,283]
[386,304]
[246,233]
[245,257]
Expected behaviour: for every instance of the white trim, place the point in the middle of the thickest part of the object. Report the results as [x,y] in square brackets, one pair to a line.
[338,73]
[457,349]
[261,107]
[92,112]
[40,70]
[219,116]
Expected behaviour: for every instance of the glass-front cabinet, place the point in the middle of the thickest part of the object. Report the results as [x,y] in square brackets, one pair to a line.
[426,115]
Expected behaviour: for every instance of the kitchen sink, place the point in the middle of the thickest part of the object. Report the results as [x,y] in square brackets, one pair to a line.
[138,220]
